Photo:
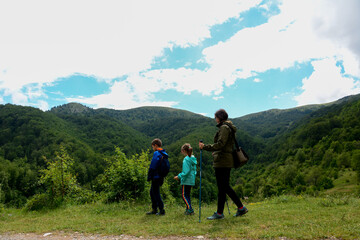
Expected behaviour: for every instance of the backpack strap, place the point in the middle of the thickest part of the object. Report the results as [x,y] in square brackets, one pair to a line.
[233,134]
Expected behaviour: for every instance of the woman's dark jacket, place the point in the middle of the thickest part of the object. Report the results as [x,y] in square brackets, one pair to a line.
[223,145]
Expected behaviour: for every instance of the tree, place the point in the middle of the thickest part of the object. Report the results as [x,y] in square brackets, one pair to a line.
[125,178]
[58,174]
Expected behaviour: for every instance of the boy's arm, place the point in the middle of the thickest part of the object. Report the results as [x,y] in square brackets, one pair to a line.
[152,167]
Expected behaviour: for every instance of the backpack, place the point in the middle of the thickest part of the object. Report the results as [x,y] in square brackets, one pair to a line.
[164,166]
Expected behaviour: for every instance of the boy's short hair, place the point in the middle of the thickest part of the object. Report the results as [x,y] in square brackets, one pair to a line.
[156,141]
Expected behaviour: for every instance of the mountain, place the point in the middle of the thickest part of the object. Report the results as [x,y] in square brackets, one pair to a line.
[300,150]
[274,122]
[101,131]
[321,150]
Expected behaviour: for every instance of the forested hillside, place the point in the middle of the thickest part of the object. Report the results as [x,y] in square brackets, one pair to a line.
[303,150]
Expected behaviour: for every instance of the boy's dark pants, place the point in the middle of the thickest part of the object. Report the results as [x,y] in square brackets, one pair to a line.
[222,180]
[155,194]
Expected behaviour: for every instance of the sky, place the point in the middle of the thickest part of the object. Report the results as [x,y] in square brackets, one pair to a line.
[245,56]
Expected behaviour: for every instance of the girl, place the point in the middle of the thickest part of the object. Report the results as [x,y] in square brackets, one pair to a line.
[187,176]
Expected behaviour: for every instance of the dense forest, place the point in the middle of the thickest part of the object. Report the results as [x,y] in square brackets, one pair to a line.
[79,154]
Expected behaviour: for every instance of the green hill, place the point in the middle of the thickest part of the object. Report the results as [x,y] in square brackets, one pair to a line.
[299,150]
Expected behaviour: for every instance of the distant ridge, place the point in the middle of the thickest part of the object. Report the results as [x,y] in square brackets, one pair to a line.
[72,108]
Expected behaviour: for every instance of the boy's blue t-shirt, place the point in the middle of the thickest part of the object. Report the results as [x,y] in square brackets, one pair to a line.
[154,165]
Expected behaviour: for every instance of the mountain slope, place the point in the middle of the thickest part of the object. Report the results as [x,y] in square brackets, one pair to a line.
[101,131]
[299,150]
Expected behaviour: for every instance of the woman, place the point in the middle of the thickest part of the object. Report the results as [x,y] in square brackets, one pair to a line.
[223,162]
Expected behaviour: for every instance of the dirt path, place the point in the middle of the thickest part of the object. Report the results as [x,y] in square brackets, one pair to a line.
[80,236]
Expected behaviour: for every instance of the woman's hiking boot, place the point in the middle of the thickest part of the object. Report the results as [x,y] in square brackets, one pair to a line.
[216,216]
[161,213]
[241,211]
[153,212]
[189,212]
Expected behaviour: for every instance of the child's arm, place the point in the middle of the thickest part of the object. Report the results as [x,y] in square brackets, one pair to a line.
[152,168]
[185,170]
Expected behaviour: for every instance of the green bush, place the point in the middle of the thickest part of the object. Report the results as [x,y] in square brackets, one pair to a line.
[125,178]
[2,208]
[79,195]
[268,191]
[334,201]
[42,201]
[58,176]
[325,183]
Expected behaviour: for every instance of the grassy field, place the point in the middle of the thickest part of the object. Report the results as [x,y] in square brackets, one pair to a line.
[345,183]
[285,216]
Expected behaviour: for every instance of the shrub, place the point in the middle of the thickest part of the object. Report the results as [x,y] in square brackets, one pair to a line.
[58,176]
[325,183]
[125,178]
[42,201]
[268,191]
[79,195]
[334,201]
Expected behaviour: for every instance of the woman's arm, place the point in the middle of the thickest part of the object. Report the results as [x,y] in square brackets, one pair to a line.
[224,133]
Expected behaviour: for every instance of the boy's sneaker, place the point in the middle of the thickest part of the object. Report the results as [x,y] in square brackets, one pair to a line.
[241,211]
[216,216]
[161,213]
[153,212]
[189,212]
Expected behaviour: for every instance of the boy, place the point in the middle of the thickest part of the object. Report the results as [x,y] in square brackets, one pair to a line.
[156,180]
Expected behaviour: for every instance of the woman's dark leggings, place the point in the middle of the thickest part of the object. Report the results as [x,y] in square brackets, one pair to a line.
[185,192]
[223,179]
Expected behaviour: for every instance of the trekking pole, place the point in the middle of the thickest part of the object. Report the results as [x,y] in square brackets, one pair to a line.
[227,205]
[200,185]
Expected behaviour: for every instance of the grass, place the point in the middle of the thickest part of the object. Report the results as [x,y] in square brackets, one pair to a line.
[345,183]
[285,216]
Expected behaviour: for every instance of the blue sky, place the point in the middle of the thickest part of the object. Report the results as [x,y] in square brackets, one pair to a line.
[244,56]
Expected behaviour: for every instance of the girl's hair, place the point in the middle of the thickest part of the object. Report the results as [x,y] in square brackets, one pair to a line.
[222,115]
[187,148]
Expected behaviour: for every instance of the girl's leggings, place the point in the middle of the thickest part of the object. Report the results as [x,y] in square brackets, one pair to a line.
[186,189]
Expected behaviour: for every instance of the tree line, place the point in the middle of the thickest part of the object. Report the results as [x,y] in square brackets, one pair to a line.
[103,155]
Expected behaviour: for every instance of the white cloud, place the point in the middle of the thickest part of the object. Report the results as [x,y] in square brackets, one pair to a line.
[217,98]
[326,84]
[42,41]
[257,80]
[122,96]
[302,32]
[42,105]
[287,38]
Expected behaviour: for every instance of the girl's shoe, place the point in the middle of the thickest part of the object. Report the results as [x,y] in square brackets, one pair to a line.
[189,212]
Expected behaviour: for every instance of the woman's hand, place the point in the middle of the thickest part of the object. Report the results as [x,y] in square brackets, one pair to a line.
[176,178]
[201,145]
